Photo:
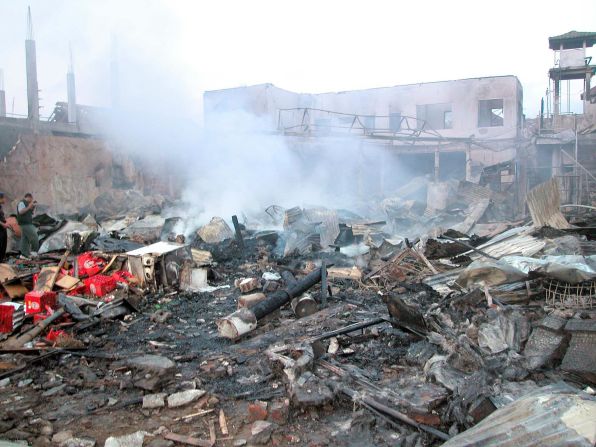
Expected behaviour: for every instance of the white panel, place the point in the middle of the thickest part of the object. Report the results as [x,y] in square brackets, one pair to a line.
[572,58]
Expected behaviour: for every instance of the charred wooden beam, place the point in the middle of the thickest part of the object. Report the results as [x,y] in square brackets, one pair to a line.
[324,284]
[350,328]
[288,277]
[239,238]
[244,321]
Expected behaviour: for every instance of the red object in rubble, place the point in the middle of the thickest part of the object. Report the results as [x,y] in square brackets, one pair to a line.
[36,301]
[122,276]
[89,265]
[81,290]
[100,285]
[6,313]
[40,316]
[54,334]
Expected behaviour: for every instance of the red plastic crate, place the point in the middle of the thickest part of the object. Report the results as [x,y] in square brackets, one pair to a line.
[6,313]
[36,301]
[89,265]
[100,285]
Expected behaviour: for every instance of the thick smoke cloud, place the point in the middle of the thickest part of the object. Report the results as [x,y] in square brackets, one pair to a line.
[236,164]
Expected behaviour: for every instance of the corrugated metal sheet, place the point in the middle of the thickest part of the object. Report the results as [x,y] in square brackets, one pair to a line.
[471,192]
[556,415]
[441,283]
[516,241]
[544,202]
[521,246]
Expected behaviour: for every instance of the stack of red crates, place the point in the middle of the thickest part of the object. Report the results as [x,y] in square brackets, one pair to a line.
[100,285]
[36,301]
[11,317]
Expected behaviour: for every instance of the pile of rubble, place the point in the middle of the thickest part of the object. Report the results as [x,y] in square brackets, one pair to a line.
[422,324]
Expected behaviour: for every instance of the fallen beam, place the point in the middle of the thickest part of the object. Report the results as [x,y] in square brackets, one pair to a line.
[244,320]
[350,328]
[238,231]
[324,284]
[305,305]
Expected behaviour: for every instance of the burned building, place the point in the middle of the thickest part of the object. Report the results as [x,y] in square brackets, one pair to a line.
[424,309]
[479,108]
[442,130]
[468,129]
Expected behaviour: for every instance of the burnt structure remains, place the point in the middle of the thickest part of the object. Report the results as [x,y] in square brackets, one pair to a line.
[450,300]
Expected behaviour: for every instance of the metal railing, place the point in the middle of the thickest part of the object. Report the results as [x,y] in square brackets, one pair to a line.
[307,120]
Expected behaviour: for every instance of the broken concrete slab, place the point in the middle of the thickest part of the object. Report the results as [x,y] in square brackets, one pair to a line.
[158,365]
[61,436]
[159,442]
[184,397]
[154,363]
[261,431]
[132,440]
[79,441]
[150,370]
[151,401]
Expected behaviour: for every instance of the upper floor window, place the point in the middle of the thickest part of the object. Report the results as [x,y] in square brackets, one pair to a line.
[490,112]
[436,116]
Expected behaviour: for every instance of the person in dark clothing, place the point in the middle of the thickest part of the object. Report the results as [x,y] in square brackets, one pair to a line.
[3,227]
[29,238]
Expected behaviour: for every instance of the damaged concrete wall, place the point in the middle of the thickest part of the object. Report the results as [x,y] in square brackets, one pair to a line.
[67,174]
[262,101]
[463,95]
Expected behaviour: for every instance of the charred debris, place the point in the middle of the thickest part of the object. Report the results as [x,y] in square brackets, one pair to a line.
[306,326]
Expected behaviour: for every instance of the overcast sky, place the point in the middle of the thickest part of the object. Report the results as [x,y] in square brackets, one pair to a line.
[305,46]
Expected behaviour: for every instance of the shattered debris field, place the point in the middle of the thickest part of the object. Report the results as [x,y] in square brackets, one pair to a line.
[405,326]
